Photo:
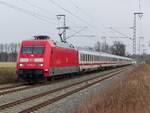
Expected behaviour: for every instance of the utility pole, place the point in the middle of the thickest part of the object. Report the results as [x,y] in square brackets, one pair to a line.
[62,29]
[140,14]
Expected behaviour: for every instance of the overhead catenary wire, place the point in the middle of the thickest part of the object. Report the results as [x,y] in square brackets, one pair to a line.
[79,8]
[38,16]
[76,16]
[77,32]
[45,11]
[83,12]
[119,32]
[140,7]
[38,8]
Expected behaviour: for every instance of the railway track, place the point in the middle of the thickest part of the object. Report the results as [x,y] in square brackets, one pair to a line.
[67,90]
[12,89]
[21,87]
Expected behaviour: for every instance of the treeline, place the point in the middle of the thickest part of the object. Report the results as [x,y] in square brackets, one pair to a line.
[8,52]
[117,48]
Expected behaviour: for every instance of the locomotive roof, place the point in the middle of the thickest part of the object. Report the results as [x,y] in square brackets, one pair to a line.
[103,54]
[63,45]
[50,41]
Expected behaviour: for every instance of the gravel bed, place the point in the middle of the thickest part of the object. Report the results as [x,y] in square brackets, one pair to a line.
[7,85]
[4,99]
[75,100]
[28,104]
[11,89]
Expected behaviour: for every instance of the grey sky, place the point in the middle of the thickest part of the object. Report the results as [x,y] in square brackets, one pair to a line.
[100,14]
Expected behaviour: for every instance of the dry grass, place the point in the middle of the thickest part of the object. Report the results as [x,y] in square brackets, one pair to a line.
[7,72]
[131,95]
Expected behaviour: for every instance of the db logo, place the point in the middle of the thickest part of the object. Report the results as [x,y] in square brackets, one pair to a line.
[31,60]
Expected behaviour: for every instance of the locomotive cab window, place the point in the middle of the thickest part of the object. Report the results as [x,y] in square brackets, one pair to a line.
[33,49]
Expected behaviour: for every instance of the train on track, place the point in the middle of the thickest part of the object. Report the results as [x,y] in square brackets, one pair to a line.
[42,58]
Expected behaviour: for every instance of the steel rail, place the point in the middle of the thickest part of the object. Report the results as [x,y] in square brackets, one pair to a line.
[50,101]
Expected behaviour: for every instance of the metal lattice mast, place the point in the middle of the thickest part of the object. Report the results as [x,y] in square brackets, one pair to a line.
[134,34]
[140,14]
[63,28]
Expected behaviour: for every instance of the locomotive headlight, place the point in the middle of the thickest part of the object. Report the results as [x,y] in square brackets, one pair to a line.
[41,65]
[20,65]
[46,70]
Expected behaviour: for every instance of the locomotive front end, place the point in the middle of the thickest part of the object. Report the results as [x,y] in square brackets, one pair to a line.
[33,62]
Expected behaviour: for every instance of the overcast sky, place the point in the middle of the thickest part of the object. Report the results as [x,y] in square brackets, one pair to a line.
[98,15]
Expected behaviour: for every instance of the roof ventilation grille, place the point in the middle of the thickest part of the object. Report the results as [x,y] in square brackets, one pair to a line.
[41,37]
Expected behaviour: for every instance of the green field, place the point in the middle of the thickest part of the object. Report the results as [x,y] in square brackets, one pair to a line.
[7,72]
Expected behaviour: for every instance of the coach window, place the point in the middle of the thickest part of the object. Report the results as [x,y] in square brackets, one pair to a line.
[90,57]
[86,57]
[107,58]
[80,57]
[103,58]
[83,57]
[99,58]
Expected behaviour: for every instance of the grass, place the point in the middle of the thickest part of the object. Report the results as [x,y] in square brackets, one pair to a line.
[7,72]
[131,95]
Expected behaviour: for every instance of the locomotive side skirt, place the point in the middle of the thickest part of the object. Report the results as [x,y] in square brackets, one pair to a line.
[63,70]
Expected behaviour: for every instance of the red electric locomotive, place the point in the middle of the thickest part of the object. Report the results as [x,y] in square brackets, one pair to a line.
[42,58]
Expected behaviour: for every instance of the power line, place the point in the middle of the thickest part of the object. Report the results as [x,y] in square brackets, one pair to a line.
[77,17]
[79,8]
[119,32]
[140,7]
[77,32]
[44,10]
[37,7]
[38,16]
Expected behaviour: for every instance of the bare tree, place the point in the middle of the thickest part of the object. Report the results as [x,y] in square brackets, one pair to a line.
[118,48]
[8,52]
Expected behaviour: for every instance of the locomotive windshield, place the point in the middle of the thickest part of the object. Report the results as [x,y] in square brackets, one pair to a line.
[33,49]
